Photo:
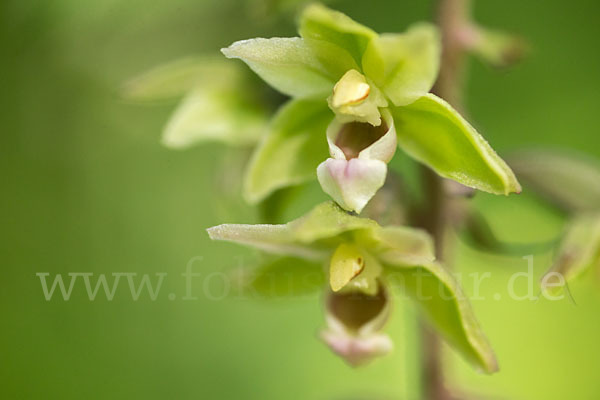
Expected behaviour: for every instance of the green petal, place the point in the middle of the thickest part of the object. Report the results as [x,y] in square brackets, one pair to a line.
[442,301]
[327,220]
[319,23]
[432,132]
[569,180]
[579,251]
[287,64]
[412,246]
[215,115]
[181,76]
[293,148]
[404,66]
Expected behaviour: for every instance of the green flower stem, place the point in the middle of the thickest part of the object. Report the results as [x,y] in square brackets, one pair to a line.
[452,16]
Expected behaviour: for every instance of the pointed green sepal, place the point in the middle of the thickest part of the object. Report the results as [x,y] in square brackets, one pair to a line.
[432,132]
[441,299]
[287,64]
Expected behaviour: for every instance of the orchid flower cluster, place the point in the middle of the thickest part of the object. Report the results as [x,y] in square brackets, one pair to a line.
[357,96]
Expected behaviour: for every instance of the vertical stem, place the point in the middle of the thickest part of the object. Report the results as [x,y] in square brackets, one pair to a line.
[453,19]
[434,222]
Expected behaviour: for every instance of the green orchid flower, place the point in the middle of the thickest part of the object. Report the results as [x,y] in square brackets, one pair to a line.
[361,260]
[368,93]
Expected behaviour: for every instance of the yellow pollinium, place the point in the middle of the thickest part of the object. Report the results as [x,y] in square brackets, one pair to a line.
[352,88]
[346,263]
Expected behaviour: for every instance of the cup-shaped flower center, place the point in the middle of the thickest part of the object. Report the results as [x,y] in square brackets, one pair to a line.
[356,309]
[354,137]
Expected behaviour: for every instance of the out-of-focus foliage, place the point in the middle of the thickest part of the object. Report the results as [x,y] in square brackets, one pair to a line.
[220,103]
[496,48]
[578,252]
[568,180]
[571,182]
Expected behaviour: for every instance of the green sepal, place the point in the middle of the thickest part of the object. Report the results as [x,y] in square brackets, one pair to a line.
[432,132]
[441,299]
[287,64]
[319,23]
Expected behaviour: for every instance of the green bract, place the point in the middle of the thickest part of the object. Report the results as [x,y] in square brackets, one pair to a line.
[355,253]
[376,86]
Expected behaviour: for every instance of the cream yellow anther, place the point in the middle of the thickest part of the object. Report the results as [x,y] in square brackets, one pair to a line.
[346,263]
[352,88]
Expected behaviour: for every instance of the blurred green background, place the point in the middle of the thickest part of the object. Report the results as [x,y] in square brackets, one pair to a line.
[87,187]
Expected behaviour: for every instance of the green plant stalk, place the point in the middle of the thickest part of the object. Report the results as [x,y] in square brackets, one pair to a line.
[452,17]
